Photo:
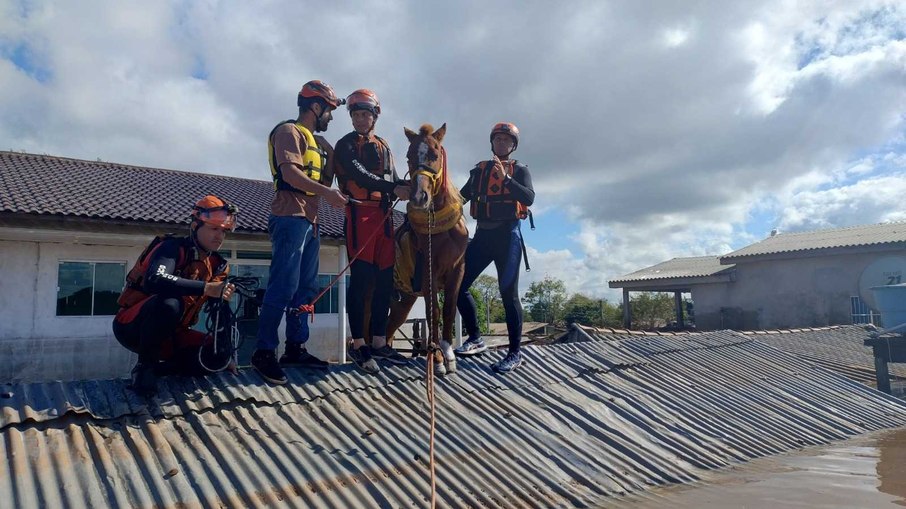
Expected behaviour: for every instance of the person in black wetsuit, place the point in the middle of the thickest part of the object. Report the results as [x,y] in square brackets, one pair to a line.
[500,191]
[365,172]
[166,290]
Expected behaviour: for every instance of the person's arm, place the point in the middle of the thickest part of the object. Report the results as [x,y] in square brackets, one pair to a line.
[160,279]
[354,170]
[466,191]
[289,148]
[520,185]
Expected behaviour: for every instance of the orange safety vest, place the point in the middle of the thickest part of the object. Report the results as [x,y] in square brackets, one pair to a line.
[382,166]
[490,198]
[212,268]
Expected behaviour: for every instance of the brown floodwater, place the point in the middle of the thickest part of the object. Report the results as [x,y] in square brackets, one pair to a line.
[867,471]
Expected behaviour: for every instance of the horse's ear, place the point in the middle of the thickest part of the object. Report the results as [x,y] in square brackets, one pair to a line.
[410,133]
[440,132]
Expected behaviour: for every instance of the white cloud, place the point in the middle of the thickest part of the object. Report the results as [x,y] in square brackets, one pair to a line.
[664,128]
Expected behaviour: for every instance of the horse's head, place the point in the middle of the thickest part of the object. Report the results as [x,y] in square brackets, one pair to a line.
[426,160]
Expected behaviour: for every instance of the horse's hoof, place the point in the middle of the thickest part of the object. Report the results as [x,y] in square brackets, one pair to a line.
[451,366]
[440,369]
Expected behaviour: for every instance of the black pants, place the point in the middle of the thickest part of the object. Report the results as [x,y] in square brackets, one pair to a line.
[503,246]
[361,275]
[159,321]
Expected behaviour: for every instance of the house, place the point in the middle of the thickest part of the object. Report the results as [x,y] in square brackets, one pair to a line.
[70,230]
[788,280]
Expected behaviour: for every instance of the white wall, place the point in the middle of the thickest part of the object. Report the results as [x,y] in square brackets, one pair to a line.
[35,344]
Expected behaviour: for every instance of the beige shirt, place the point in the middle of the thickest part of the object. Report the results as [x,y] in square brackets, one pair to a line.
[289,145]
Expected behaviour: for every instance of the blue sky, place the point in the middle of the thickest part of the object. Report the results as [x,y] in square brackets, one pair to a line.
[653,130]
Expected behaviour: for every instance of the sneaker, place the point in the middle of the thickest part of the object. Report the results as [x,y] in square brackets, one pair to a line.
[512,361]
[387,353]
[265,361]
[362,358]
[473,346]
[296,355]
[144,381]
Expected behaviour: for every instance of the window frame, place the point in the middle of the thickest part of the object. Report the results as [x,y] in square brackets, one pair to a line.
[92,262]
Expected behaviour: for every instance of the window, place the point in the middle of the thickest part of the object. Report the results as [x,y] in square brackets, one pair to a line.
[89,288]
[330,302]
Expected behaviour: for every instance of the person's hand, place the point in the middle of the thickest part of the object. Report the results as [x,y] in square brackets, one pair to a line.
[233,368]
[219,290]
[335,198]
[402,192]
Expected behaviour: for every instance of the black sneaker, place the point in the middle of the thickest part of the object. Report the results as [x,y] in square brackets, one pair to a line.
[265,361]
[144,381]
[362,358]
[387,353]
[296,355]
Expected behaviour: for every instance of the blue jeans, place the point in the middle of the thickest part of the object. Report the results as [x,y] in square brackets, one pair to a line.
[293,280]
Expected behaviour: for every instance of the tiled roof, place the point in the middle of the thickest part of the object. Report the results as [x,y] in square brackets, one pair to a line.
[578,425]
[853,236]
[696,266]
[57,186]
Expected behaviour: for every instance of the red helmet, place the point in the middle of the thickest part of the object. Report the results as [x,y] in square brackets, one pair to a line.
[363,99]
[215,212]
[506,128]
[316,89]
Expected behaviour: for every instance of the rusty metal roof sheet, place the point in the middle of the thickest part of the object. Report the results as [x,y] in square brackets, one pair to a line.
[578,424]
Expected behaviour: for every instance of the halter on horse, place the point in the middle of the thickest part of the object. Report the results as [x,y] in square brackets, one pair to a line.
[439,230]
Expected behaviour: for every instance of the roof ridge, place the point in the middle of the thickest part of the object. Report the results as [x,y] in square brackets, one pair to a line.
[130,166]
[839,228]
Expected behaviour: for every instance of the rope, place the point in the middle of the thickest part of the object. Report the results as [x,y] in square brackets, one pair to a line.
[215,308]
[310,308]
[432,349]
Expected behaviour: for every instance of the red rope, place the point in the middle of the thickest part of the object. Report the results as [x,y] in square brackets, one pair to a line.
[310,308]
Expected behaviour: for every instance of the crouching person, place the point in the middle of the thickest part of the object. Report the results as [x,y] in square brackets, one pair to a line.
[164,294]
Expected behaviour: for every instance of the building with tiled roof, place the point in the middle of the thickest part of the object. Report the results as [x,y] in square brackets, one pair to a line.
[788,280]
[70,229]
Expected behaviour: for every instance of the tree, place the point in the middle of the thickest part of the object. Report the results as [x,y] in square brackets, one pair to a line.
[545,300]
[586,310]
[651,310]
[489,292]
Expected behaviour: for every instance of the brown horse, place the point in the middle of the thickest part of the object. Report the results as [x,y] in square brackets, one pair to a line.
[440,236]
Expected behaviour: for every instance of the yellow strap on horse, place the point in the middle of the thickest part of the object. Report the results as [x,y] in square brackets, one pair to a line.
[444,219]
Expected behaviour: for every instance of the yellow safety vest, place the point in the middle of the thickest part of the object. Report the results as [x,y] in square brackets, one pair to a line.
[313,160]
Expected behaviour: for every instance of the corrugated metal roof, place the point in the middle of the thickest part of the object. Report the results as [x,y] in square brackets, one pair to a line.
[119,192]
[696,266]
[839,348]
[577,425]
[853,236]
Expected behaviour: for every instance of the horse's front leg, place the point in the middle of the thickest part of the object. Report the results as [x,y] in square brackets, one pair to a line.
[399,312]
[451,295]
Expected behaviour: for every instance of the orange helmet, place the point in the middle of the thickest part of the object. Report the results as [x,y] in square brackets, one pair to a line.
[506,128]
[316,89]
[363,99]
[215,212]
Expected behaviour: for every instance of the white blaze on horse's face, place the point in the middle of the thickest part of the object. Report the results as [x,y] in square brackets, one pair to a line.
[422,154]
[422,197]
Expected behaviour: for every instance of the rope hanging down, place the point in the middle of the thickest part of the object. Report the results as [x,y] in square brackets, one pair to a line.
[432,352]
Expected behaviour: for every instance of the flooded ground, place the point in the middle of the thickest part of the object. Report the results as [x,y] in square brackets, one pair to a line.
[868,471]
